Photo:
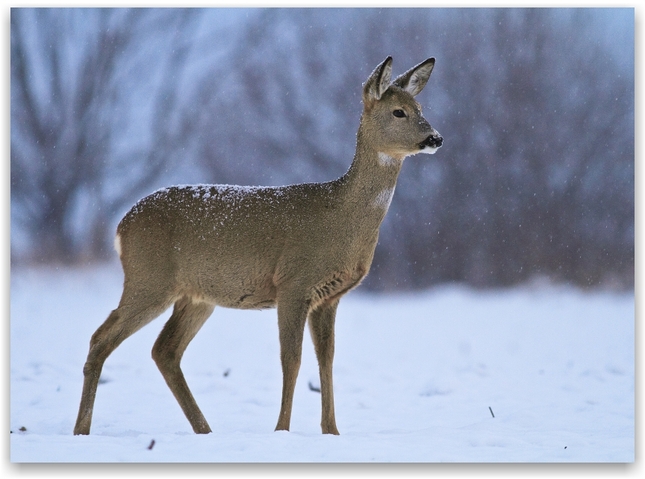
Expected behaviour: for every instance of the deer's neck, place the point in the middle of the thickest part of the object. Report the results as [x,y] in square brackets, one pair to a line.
[370,181]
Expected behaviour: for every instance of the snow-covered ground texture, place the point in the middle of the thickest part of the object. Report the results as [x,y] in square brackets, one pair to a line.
[418,378]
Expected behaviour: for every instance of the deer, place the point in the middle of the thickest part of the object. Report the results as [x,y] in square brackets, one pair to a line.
[298,248]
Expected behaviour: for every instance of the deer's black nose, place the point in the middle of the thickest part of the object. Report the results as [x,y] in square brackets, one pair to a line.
[433,141]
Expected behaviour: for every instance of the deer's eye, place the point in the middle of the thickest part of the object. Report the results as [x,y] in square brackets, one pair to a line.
[399,113]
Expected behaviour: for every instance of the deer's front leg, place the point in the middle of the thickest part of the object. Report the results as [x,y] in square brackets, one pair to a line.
[292,315]
[321,325]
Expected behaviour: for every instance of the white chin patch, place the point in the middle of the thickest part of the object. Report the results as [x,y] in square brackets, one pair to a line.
[117,244]
[429,150]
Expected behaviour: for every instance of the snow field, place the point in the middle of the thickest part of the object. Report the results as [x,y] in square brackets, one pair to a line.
[417,378]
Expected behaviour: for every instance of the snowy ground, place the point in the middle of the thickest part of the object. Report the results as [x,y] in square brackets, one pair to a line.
[418,378]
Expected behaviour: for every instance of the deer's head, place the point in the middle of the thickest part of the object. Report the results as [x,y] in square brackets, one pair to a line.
[392,118]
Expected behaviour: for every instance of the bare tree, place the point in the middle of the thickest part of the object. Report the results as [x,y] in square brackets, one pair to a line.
[542,142]
[73,100]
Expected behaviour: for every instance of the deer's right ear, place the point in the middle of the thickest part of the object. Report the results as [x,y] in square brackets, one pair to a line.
[378,82]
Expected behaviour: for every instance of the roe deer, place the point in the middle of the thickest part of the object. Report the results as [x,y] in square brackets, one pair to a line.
[299,247]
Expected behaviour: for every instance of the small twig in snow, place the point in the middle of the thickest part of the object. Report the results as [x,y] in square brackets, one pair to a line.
[491,411]
[313,388]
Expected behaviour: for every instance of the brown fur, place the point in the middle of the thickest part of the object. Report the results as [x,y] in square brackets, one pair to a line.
[298,247]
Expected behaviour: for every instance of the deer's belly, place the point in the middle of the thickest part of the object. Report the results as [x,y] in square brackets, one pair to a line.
[233,289]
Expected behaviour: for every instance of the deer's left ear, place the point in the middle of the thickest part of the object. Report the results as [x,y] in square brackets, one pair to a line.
[416,77]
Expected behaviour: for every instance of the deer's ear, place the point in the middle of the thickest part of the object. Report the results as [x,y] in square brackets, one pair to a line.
[378,82]
[416,77]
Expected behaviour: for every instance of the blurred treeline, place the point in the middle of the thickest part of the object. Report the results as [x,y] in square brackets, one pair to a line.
[536,106]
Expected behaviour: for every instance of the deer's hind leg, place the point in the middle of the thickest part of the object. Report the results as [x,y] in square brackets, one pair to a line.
[136,309]
[186,320]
